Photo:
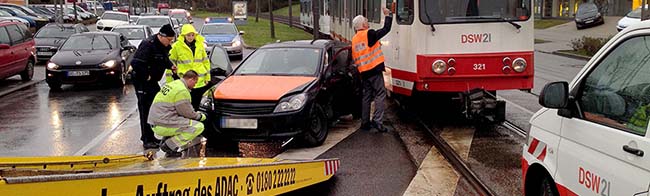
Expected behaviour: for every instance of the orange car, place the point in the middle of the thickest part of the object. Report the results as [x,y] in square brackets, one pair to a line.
[285,90]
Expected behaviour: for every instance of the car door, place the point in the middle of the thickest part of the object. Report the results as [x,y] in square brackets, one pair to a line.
[341,81]
[604,146]
[6,55]
[19,49]
[219,64]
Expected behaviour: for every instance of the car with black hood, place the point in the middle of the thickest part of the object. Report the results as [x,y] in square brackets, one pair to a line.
[588,15]
[90,57]
[285,90]
[51,36]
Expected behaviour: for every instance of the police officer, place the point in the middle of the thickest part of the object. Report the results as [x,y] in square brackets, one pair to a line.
[188,53]
[369,59]
[173,117]
[149,64]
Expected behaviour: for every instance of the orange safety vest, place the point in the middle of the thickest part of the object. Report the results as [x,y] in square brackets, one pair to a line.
[365,58]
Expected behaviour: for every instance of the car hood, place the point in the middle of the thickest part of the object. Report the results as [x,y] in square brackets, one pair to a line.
[50,41]
[111,23]
[588,14]
[627,21]
[219,38]
[261,88]
[87,57]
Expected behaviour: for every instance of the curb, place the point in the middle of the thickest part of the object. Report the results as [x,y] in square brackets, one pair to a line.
[19,87]
[570,55]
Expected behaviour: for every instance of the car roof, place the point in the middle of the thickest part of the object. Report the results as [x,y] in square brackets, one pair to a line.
[98,33]
[129,26]
[7,22]
[218,24]
[114,12]
[155,16]
[321,43]
[65,25]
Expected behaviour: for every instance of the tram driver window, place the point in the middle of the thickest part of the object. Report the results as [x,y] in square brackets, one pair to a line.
[405,12]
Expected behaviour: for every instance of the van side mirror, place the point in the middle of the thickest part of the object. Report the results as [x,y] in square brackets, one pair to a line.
[555,95]
[5,46]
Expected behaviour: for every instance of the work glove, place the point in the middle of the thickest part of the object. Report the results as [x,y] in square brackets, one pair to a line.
[203,116]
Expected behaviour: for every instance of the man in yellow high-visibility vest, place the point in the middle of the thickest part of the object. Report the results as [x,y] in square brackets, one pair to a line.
[369,59]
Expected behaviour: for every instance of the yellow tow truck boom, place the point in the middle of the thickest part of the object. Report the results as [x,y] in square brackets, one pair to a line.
[138,175]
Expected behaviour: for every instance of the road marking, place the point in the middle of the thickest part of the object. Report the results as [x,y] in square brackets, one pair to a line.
[516,105]
[103,136]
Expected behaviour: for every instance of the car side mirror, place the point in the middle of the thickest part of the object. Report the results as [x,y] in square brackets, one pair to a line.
[555,95]
[131,20]
[241,32]
[5,46]
[99,17]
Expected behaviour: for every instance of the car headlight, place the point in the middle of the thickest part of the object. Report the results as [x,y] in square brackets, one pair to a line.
[236,43]
[100,24]
[206,103]
[51,65]
[230,19]
[519,65]
[292,103]
[109,64]
[439,66]
[578,20]
[598,15]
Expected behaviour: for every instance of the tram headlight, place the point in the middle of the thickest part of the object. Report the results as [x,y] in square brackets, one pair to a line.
[519,65]
[451,62]
[439,66]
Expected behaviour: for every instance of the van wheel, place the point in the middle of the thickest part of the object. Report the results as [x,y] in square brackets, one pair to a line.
[316,128]
[28,73]
[547,187]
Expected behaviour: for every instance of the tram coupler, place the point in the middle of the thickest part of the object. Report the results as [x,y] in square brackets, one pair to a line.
[482,106]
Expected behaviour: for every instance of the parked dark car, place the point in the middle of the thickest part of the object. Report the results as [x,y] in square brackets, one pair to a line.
[588,15]
[16,50]
[90,57]
[51,36]
[285,90]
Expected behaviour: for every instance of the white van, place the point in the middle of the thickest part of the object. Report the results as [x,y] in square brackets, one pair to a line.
[591,137]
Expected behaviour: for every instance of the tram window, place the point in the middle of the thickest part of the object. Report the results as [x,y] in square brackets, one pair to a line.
[462,11]
[405,12]
[374,12]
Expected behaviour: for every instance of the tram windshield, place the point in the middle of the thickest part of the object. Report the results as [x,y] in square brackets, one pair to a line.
[464,11]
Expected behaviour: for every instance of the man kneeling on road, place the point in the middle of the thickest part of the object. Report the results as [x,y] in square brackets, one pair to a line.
[172,115]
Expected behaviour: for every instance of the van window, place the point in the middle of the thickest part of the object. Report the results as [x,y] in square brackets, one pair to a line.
[15,34]
[4,36]
[616,93]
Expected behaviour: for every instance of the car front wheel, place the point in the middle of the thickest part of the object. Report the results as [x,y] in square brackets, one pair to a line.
[316,128]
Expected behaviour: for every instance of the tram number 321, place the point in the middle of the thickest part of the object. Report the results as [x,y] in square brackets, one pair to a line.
[479,66]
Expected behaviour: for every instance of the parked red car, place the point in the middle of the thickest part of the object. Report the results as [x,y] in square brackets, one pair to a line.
[17,51]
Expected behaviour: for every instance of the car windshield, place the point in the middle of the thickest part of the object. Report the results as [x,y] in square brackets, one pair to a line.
[281,61]
[636,13]
[4,13]
[586,8]
[55,32]
[153,22]
[164,11]
[219,29]
[112,16]
[178,15]
[462,11]
[131,33]
[90,42]
[18,12]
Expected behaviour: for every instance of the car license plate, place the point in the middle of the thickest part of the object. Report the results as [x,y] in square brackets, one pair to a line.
[589,21]
[78,73]
[237,123]
[44,53]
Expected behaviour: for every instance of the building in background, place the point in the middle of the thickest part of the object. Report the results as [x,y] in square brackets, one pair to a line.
[567,8]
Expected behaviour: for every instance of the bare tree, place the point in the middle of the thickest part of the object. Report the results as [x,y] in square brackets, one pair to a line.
[257,10]
[271,16]
[290,16]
